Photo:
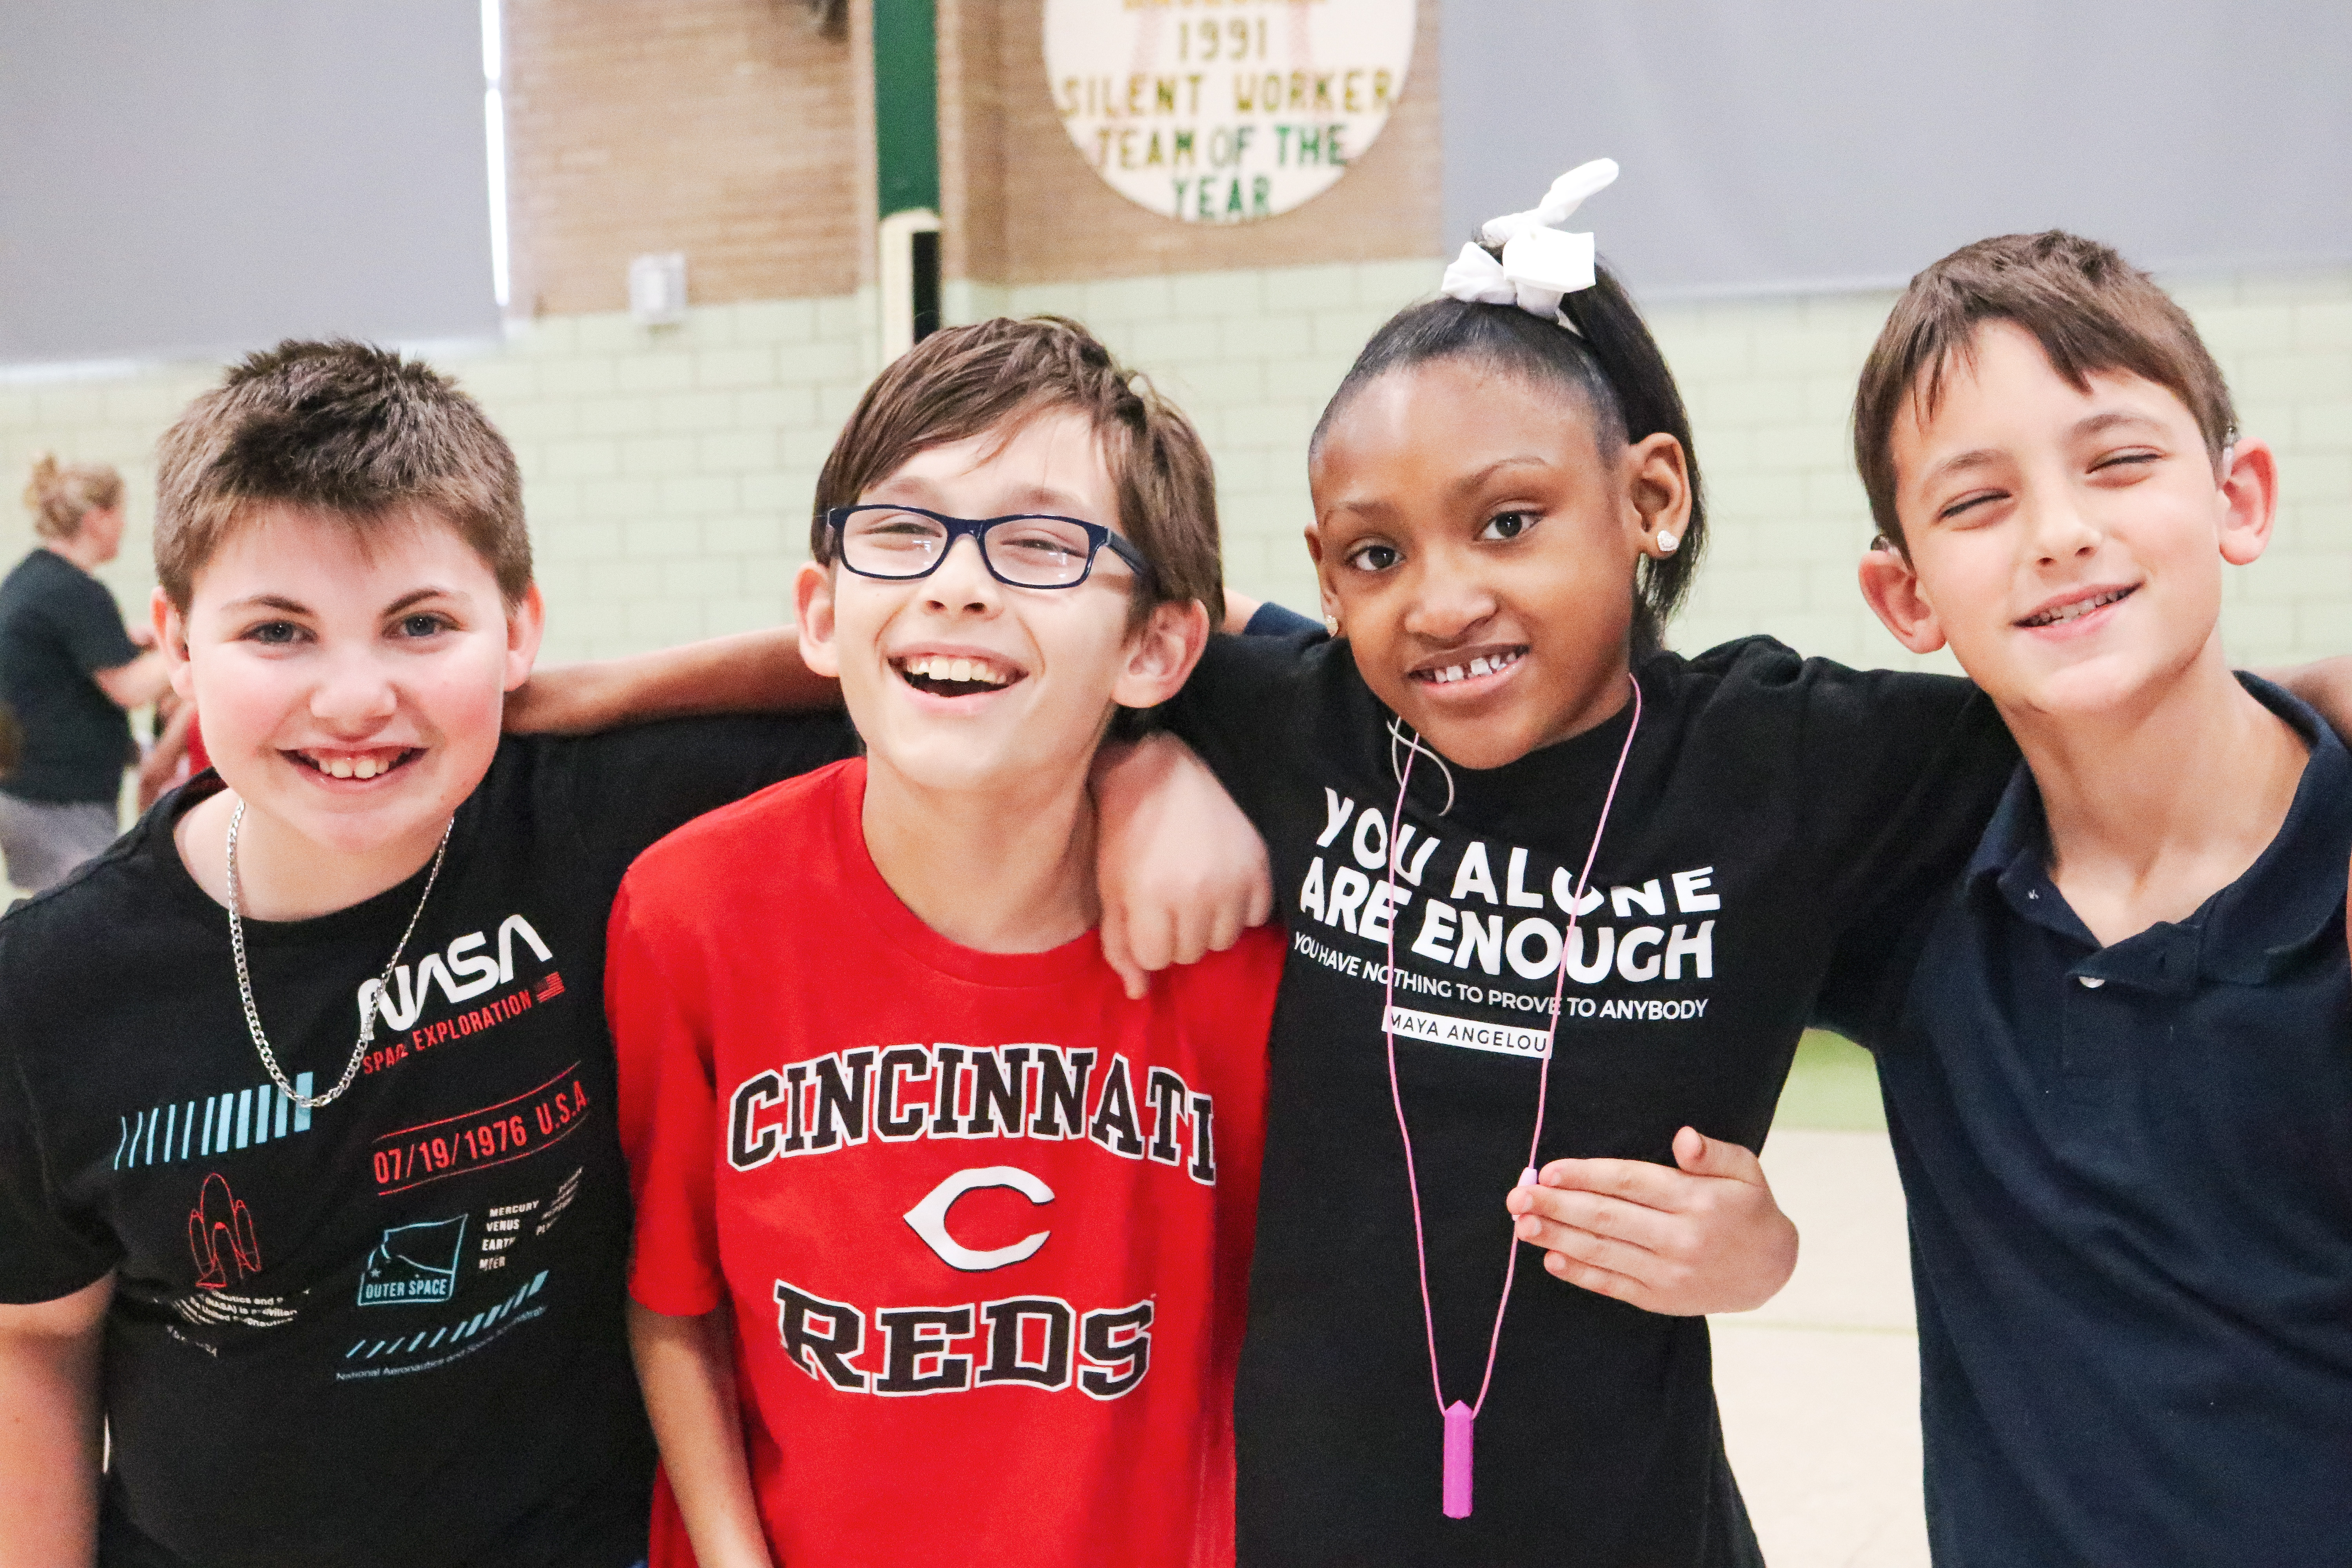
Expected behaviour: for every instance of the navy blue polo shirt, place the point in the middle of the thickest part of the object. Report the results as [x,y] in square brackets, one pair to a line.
[2130,1173]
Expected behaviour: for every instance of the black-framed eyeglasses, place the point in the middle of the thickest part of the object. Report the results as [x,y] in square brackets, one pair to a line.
[1023,551]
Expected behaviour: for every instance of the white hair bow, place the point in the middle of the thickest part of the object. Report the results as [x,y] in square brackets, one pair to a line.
[1541,263]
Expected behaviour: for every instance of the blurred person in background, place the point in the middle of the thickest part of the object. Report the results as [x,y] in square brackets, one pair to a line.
[69,673]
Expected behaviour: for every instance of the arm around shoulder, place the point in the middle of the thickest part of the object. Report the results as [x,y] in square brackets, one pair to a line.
[2325,684]
[751,672]
[51,1428]
[1179,869]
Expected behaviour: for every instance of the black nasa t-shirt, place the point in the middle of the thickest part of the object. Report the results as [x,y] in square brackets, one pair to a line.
[387,1331]
[1765,800]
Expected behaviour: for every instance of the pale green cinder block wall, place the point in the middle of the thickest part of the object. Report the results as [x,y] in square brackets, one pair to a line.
[668,472]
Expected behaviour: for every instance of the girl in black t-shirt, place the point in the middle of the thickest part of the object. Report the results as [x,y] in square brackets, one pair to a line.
[1559,903]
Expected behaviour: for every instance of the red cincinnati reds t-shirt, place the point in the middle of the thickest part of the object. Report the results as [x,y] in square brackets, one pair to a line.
[986,1222]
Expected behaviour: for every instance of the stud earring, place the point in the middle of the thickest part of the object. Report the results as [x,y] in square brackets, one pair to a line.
[1331,625]
[1667,543]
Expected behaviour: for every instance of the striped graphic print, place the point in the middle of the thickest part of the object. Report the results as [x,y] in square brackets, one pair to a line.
[198,1129]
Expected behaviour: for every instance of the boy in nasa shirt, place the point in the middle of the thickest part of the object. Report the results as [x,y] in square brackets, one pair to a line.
[941,1238]
[310,1199]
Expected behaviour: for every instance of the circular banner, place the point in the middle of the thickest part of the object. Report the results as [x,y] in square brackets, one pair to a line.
[1225,111]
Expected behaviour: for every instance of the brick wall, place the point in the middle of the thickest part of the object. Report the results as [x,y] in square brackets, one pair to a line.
[726,128]
[668,473]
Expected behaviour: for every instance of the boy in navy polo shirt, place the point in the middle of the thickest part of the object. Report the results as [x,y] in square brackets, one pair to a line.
[2117,1055]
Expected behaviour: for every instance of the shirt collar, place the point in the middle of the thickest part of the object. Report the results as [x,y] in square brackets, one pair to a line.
[2294,892]
[2288,899]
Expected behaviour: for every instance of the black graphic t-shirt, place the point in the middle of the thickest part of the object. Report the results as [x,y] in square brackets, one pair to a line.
[1765,800]
[388,1331]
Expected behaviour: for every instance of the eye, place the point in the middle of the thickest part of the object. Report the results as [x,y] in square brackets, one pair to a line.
[2126,465]
[1374,557]
[1967,503]
[424,624]
[274,634]
[1508,525]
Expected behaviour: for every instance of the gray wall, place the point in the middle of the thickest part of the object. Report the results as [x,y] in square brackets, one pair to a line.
[1783,145]
[199,176]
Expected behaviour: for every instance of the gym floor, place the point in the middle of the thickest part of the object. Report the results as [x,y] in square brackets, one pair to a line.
[1819,1387]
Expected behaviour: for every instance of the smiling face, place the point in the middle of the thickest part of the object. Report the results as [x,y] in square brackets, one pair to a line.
[2067,541]
[1478,547]
[349,691]
[959,682]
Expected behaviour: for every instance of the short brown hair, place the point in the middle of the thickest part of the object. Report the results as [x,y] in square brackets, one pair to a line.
[2089,309]
[60,495]
[966,381]
[347,428]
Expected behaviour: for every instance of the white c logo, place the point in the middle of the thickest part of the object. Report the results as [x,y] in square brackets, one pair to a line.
[929,1218]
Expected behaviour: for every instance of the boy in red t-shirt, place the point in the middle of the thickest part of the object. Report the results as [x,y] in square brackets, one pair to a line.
[942,1240]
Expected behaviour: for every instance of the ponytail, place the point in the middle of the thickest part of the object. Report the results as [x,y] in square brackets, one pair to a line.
[1648,403]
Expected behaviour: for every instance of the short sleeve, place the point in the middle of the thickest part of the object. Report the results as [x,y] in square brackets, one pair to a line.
[668,1107]
[91,627]
[1887,776]
[1870,973]
[1246,712]
[44,1252]
[626,788]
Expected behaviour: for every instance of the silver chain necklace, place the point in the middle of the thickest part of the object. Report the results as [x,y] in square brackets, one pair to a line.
[367,1018]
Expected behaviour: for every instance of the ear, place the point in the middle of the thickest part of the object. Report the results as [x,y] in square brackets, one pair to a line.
[1658,492]
[1326,589]
[526,624]
[812,606]
[2250,487]
[1161,655]
[1891,584]
[171,642]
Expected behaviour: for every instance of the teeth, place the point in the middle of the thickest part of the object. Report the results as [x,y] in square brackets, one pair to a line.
[1485,664]
[2077,610]
[941,666]
[364,767]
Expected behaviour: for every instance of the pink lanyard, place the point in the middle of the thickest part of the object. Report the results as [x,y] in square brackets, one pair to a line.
[1458,1417]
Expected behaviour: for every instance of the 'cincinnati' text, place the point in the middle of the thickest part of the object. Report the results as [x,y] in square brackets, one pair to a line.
[899,1093]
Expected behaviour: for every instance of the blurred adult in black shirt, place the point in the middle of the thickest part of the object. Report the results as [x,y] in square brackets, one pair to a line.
[68,673]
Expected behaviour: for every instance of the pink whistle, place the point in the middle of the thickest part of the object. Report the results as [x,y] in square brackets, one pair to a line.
[1458,1417]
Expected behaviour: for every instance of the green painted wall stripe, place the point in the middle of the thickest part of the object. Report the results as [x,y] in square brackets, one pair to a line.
[905,105]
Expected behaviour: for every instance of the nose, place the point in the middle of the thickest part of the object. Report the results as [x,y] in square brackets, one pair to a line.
[355,694]
[963,585]
[1448,601]
[2056,526]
